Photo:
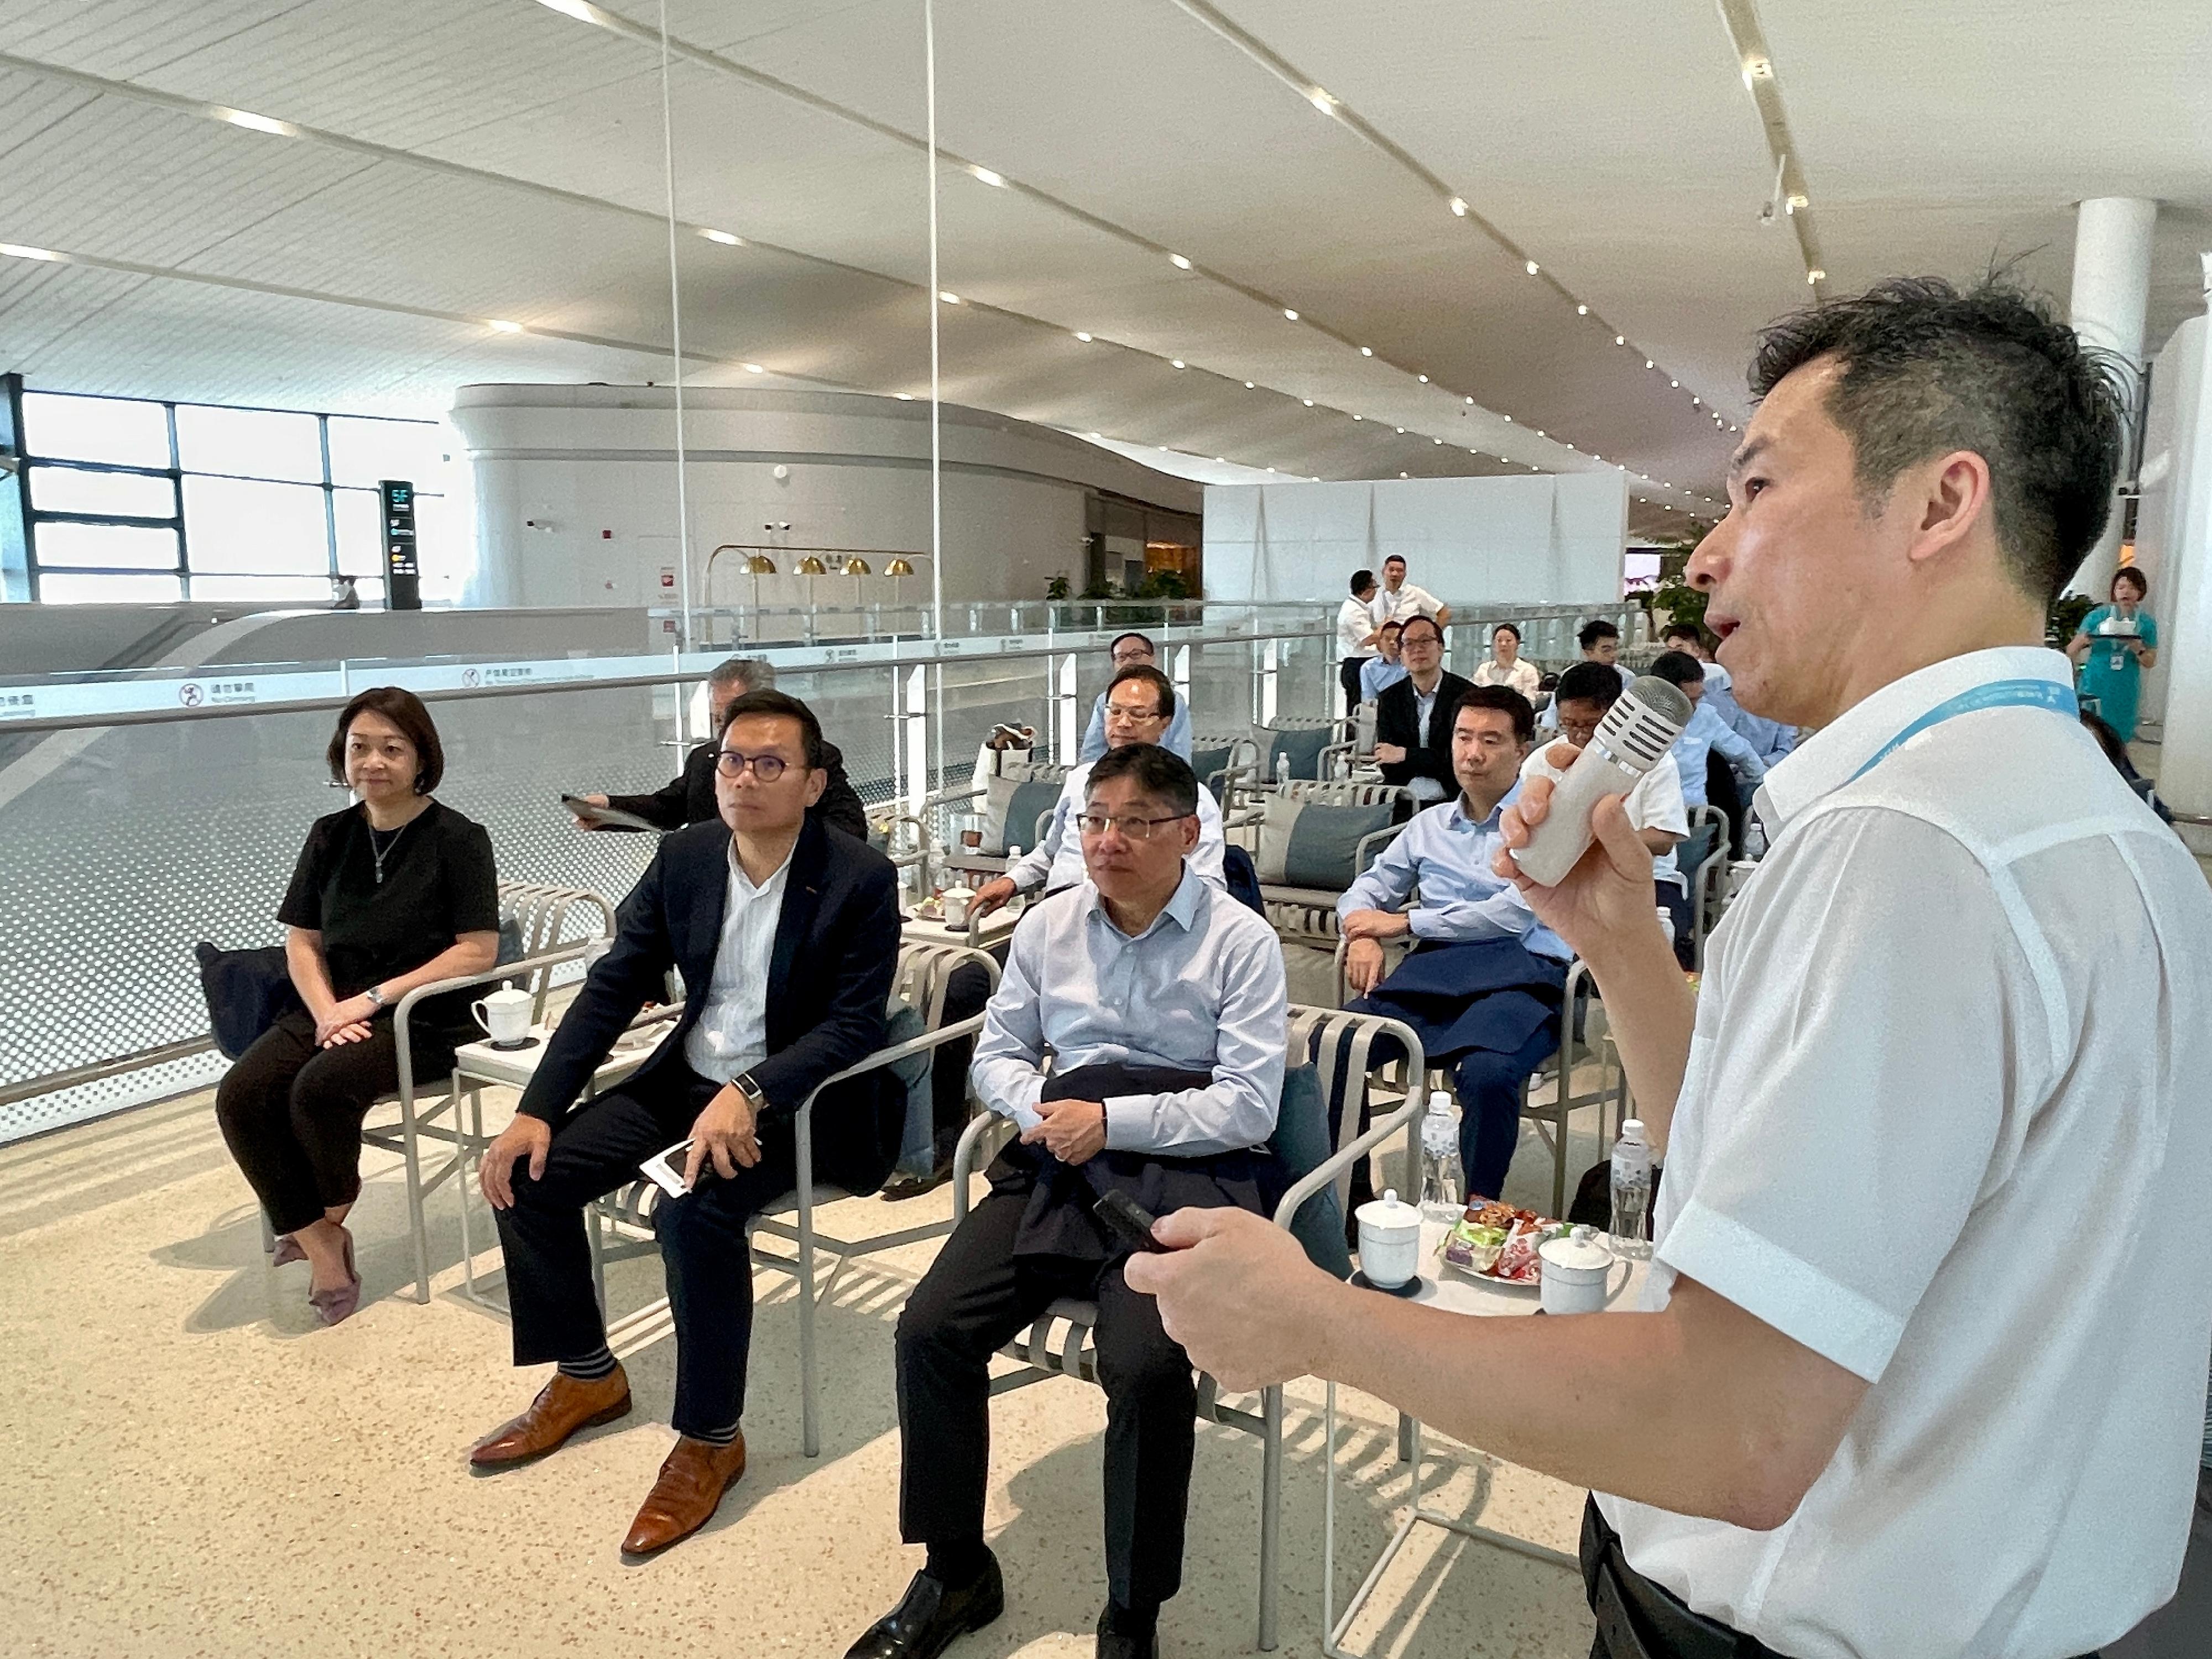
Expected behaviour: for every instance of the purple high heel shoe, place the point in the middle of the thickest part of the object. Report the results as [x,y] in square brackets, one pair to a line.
[287,1250]
[334,1305]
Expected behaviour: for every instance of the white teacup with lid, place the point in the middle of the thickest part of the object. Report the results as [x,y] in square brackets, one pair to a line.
[505,1015]
[956,899]
[1389,1240]
[1574,1273]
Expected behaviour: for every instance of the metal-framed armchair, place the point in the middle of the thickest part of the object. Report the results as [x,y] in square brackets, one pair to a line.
[1338,1044]
[1331,739]
[1306,915]
[1709,881]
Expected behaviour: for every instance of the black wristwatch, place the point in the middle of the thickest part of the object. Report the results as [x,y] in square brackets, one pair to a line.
[748,1085]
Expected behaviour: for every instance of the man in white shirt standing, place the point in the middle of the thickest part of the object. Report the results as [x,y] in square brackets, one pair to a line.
[1401,601]
[1140,704]
[1357,635]
[1921,1369]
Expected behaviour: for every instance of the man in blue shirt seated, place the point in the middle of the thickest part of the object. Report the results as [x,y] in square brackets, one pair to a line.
[1161,1000]
[1769,739]
[1378,674]
[1135,651]
[1706,734]
[1482,988]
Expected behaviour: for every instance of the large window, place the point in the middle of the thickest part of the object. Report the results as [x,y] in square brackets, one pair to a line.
[131,501]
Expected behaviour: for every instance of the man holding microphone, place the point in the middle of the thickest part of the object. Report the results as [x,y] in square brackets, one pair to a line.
[1919,1370]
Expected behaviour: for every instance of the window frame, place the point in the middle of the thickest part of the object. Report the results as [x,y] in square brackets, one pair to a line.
[26,459]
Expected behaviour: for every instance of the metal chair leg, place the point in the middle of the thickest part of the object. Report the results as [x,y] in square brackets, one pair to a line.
[268,1234]
[809,1412]
[1271,1512]
[415,1221]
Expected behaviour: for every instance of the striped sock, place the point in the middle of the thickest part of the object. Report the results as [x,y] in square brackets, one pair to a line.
[590,1367]
[715,1436]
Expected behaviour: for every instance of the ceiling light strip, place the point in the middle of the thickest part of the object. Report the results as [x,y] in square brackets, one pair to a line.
[1740,19]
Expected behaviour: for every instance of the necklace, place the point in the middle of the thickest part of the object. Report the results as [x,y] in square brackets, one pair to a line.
[381,851]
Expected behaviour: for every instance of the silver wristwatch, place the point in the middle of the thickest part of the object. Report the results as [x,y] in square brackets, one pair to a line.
[375,996]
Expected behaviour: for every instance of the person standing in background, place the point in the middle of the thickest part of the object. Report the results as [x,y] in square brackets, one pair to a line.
[1401,601]
[2115,644]
[1506,666]
[1356,636]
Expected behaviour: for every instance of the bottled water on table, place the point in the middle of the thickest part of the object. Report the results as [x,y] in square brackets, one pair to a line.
[1631,1190]
[1443,1181]
[1013,858]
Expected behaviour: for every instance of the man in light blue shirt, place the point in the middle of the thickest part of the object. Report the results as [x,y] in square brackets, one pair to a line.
[1706,733]
[1769,739]
[1379,673]
[1162,1003]
[1488,1007]
[1135,651]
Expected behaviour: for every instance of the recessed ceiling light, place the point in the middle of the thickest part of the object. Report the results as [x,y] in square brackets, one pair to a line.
[1319,98]
[1178,261]
[1816,275]
[949,297]
[1401,431]
[1221,460]
[247,118]
[1177,362]
[1648,363]
[1359,417]
[1539,431]
[1082,336]
[1508,419]
[1620,339]
[1474,452]
[1289,315]
[1094,435]
[1271,469]
[1438,441]
[575,8]
[1694,404]
[1458,208]
[1470,400]
[723,237]
[1307,402]
[501,325]
[908,397]
[17,251]
[1405,475]
[1582,311]
[1796,202]
[1367,351]
[754,368]
[1757,69]
[1248,386]
[997,182]
[1423,378]
[1673,383]
[1532,267]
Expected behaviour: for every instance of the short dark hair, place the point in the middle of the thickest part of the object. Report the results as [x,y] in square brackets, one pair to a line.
[1113,644]
[1361,581]
[1422,617]
[1596,629]
[1395,558]
[1160,773]
[1496,629]
[1676,668]
[754,673]
[1683,630]
[782,703]
[1506,701]
[2133,574]
[1152,677]
[1590,682]
[404,710]
[1926,369]
[1393,626]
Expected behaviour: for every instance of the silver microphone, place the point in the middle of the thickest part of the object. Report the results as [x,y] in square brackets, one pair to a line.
[1636,733]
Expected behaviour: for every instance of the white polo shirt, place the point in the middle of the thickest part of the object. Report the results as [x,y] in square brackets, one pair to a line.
[1945,1123]
[1404,604]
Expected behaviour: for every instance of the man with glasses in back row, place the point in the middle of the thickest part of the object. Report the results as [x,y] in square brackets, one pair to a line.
[1162,1001]
[1134,651]
[1141,704]
[785,931]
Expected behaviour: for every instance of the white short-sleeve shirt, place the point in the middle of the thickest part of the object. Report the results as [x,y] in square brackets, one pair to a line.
[1946,1122]
[1404,604]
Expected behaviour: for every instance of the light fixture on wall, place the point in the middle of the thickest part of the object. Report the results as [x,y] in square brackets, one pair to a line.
[856,567]
[811,567]
[898,569]
[756,566]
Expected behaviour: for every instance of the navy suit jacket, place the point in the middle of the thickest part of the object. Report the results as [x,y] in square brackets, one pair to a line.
[829,977]
[1398,719]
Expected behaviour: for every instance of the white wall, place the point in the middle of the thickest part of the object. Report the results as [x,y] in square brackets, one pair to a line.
[594,467]
[2173,544]
[1547,538]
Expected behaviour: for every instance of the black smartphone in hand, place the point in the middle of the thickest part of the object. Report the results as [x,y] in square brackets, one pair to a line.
[1127,1220]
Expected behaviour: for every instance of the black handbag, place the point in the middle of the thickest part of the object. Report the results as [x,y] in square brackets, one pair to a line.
[247,993]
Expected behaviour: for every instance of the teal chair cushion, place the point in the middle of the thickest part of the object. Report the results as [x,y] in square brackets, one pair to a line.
[1324,841]
[1304,748]
[1207,761]
[1301,1143]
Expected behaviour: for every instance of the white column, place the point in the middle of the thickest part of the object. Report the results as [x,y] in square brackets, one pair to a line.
[2184,765]
[2112,290]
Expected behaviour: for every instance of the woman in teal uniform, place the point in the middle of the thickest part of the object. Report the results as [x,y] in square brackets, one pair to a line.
[2117,642]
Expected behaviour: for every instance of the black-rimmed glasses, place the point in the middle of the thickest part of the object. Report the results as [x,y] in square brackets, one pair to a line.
[1097,824]
[766,768]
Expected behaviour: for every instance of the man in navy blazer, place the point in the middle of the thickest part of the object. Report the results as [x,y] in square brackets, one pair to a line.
[785,932]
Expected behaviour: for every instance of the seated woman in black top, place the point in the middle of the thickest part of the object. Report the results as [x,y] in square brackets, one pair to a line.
[391,893]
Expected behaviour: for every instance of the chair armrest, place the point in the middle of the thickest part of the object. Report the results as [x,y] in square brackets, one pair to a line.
[1334,761]
[1370,845]
[1335,1165]
[964,1157]
[889,1055]
[405,1011]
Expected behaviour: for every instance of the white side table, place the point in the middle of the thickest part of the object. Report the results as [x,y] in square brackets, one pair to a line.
[1454,1293]
[986,934]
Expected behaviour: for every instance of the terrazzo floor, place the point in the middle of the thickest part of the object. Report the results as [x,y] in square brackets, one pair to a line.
[193,1468]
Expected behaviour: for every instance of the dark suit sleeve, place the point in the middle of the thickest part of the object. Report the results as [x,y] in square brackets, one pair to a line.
[1397,720]
[852,977]
[633,970]
[668,807]
[841,806]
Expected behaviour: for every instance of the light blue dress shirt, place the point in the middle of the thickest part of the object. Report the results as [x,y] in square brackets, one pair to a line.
[1448,855]
[1707,732]
[1769,739]
[1056,861]
[1201,990]
[1377,676]
[1175,740]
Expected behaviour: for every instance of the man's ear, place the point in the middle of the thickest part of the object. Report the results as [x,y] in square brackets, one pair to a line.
[818,780]
[1947,498]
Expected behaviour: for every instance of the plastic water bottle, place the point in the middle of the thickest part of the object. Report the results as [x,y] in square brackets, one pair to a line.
[1282,766]
[1014,857]
[1443,1179]
[1632,1189]
[1666,922]
[1755,839]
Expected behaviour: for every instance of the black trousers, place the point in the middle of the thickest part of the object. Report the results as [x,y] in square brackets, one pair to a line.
[965,994]
[704,1251]
[1347,675]
[291,1113]
[977,1296]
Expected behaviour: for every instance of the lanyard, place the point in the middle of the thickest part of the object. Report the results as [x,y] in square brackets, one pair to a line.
[1998,694]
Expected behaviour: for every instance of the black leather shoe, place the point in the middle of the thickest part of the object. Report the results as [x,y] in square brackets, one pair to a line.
[929,1617]
[1112,1645]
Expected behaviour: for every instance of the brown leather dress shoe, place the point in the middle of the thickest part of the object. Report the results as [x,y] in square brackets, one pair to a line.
[562,1406]
[684,1497]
